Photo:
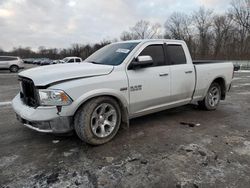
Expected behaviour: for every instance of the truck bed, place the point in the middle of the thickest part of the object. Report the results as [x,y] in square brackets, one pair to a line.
[198,62]
[207,71]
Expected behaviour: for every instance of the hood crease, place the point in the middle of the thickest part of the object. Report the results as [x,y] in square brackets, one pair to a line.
[53,74]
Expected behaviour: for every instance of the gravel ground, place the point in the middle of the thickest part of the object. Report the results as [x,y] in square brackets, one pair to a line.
[158,150]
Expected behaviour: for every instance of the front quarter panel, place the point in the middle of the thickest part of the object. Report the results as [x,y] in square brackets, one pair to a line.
[84,89]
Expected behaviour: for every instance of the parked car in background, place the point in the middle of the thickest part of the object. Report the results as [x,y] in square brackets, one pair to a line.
[36,61]
[58,61]
[12,63]
[46,62]
[236,67]
[28,60]
[72,60]
[42,61]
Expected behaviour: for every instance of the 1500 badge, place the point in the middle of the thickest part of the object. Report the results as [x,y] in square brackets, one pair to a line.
[136,88]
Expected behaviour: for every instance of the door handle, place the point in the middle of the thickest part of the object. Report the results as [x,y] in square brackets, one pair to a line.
[163,74]
[188,72]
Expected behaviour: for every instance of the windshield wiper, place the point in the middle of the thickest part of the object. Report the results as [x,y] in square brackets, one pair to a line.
[94,62]
[97,63]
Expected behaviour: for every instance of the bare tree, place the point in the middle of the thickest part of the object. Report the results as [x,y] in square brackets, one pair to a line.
[41,50]
[178,26]
[222,26]
[241,12]
[76,49]
[127,36]
[203,23]
[87,50]
[142,30]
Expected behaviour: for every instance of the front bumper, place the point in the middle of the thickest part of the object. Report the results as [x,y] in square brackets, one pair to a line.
[41,119]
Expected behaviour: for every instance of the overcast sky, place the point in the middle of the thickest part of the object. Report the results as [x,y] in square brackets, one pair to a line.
[59,23]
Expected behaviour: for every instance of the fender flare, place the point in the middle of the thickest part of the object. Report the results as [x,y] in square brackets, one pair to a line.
[218,77]
[105,92]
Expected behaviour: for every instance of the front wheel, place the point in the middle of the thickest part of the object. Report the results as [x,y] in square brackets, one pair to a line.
[212,98]
[98,121]
[14,68]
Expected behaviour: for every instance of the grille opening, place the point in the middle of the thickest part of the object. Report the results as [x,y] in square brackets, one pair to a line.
[28,92]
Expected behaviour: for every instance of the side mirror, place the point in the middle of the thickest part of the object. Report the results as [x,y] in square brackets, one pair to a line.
[141,61]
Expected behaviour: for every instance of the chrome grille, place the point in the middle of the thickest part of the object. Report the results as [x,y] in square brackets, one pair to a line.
[28,92]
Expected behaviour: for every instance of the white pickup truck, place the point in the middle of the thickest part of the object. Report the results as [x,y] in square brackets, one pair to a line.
[71,60]
[121,81]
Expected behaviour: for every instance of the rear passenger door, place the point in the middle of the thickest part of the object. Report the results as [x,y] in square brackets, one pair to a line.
[182,74]
[149,87]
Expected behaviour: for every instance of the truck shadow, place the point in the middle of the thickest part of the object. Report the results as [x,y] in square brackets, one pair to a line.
[139,127]
[162,114]
[138,124]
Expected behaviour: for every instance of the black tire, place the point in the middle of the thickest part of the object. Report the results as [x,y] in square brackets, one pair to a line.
[14,68]
[205,103]
[84,117]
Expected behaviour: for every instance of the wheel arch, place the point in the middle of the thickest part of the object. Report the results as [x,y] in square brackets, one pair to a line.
[13,65]
[118,98]
[221,81]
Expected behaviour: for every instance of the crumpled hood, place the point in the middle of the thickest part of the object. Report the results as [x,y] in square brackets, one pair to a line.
[45,75]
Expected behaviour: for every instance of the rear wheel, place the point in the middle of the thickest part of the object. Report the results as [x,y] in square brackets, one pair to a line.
[212,98]
[14,68]
[98,121]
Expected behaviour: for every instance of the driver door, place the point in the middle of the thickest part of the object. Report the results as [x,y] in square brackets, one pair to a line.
[149,87]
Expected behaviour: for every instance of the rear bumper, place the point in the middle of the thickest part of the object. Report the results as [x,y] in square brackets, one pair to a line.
[41,119]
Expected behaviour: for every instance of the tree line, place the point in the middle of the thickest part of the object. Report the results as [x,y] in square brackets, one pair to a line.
[209,35]
[79,50]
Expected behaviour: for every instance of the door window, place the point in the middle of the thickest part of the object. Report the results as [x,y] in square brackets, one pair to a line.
[78,60]
[157,54]
[71,61]
[8,58]
[176,54]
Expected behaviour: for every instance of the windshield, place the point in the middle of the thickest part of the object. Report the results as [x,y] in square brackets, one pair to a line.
[113,54]
[65,59]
